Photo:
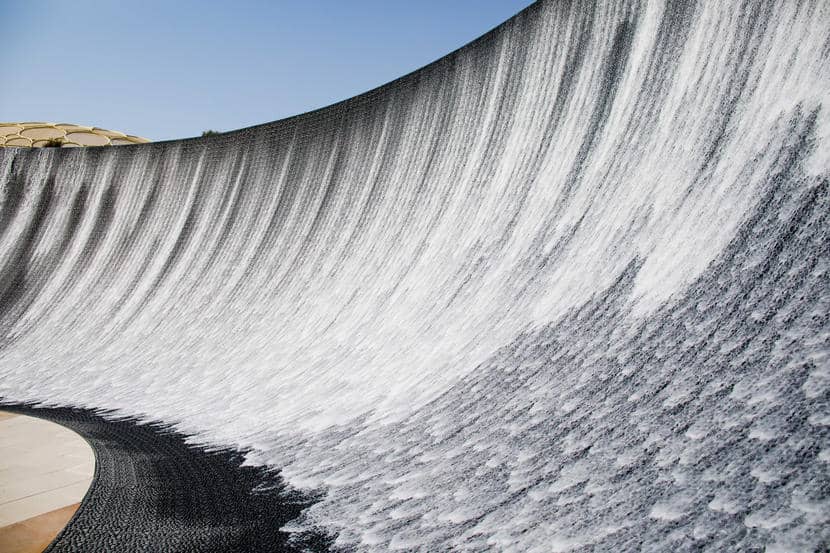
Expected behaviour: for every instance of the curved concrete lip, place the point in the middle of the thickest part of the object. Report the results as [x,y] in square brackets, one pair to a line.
[45,471]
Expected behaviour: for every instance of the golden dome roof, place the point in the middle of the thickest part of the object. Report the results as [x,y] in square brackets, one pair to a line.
[65,135]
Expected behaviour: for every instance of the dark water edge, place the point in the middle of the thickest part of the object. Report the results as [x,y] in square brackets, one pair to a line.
[154,492]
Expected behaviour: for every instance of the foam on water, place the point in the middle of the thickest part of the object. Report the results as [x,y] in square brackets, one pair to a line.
[566,288]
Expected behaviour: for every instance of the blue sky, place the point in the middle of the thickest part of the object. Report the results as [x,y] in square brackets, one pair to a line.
[172,68]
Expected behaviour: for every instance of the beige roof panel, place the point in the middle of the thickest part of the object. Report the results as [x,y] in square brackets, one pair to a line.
[110,134]
[71,127]
[42,133]
[18,141]
[88,138]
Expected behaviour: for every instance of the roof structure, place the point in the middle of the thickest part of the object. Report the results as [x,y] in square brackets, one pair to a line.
[39,134]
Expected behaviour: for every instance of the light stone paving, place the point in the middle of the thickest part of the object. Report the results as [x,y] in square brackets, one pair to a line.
[43,467]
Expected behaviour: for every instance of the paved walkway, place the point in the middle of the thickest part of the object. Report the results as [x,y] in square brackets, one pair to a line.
[45,470]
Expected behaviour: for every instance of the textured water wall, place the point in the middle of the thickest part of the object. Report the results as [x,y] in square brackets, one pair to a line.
[564,289]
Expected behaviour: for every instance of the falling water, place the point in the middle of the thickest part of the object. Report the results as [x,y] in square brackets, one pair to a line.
[565,288]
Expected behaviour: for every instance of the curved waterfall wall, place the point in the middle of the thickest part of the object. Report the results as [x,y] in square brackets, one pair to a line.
[565,288]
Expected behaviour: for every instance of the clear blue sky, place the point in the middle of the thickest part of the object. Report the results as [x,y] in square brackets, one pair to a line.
[172,68]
